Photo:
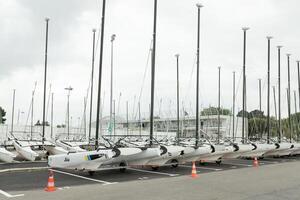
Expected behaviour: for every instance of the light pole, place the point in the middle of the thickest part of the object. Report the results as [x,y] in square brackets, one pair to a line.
[219,103]
[45,80]
[289,95]
[177,66]
[268,100]
[113,37]
[199,6]
[92,86]
[244,84]
[69,89]
[259,93]
[279,94]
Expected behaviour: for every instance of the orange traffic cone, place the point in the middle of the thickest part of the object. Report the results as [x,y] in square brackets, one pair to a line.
[255,162]
[194,171]
[50,186]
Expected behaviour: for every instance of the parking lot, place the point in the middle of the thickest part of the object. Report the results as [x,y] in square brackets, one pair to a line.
[32,176]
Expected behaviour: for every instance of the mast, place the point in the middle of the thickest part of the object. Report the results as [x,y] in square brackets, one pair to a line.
[127,121]
[13,111]
[51,130]
[296,116]
[140,123]
[32,103]
[295,100]
[114,114]
[233,107]
[275,102]
[178,125]
[92,87]
[279,94]
[100,74]
[219,103]
[199,6]
[259,95]
[244,85]
[298,67]
[289,96]
[45,80]
[113,36]
[268,100]
[153,73]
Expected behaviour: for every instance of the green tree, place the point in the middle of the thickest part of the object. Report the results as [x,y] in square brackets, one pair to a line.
[214,111]
[2,115]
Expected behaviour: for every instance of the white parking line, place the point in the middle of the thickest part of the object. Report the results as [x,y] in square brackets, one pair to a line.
[281,159]
[271,162]
[237,164]
[152,172]
[83,177]
[209,168]
[22,169]
[9,195]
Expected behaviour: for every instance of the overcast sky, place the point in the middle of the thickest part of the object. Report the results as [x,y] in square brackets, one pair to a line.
[22,39]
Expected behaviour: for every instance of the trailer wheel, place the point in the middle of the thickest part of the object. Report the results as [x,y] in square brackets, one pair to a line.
[174,163]
[154,168]
[122,167]
[91,173]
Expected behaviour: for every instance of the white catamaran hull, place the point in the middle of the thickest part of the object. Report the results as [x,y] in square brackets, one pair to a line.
[282,149]
[134,157]
[259,150]
[192,154]
[6,156]
[89,161]
[296,150]
[55,150]
[239,150]
[69,147]
[25,152]
[218,152]
[171,155]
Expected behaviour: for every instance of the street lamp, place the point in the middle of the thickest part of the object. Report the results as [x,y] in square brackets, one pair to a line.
[268,103]
[244,84]
[199,6]
[279,94]
[113,37]
[289,95]
[69,89]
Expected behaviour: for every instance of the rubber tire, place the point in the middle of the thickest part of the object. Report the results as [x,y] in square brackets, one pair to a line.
[91,173]
[154,168]
[219,162]
[122,169]
[174,163]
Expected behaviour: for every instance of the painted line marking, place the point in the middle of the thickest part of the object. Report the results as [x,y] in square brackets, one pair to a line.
[152,172]
[238,164]
[209,168]
[271,162]
[23,169]
[281,160]
[83,177]
[9,195]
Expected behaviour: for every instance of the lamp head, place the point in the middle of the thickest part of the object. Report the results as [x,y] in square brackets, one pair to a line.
[245,28]
[269,37]
[113,37]
[199,5]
